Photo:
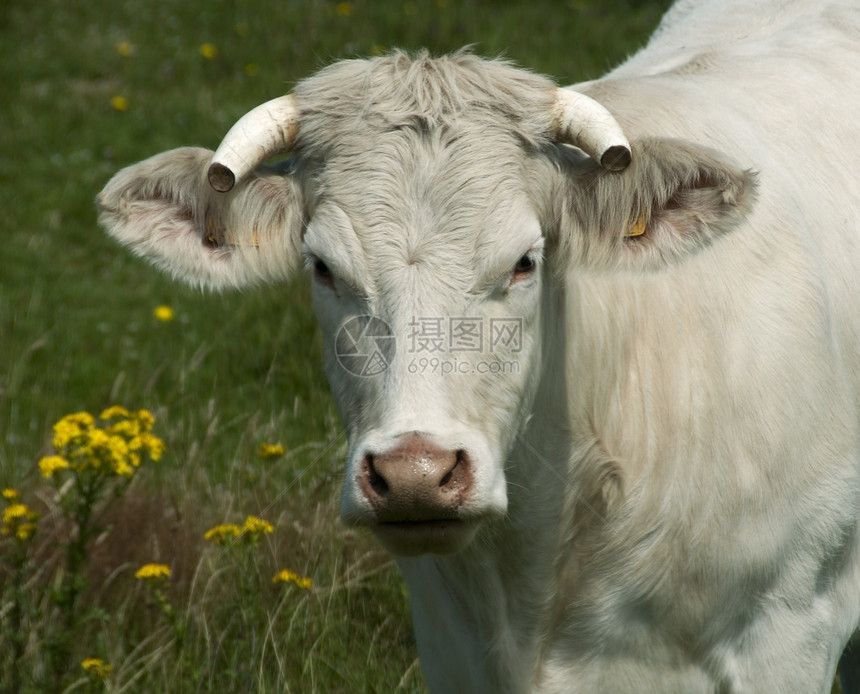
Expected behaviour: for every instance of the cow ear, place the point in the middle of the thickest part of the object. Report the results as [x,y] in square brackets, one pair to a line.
[675,199]
[164,210]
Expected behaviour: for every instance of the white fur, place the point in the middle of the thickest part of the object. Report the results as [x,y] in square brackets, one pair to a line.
[667,492]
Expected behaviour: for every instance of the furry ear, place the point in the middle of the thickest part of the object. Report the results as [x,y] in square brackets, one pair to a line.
[674,199]
[164,209]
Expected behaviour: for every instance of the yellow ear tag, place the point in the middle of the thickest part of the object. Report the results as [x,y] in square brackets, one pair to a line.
[639,228]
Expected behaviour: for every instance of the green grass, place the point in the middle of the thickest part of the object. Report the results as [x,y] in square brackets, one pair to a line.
[77,332]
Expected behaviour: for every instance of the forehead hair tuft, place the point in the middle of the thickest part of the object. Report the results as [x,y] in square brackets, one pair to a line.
[418,91]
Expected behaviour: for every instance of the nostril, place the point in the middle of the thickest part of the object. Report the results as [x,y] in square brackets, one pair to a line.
[459,472]
[377,482]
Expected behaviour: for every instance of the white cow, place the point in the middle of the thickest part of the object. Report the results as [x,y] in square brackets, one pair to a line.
[603,400]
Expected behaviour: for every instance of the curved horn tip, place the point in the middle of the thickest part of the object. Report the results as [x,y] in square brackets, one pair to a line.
[616,158]
[221,178]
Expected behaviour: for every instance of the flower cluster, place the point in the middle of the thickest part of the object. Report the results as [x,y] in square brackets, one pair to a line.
[96,668]
[227,534]
[287,576]
[163,313]
[268,451]
[223,534]
[19,520]
[153,572]
[112,445]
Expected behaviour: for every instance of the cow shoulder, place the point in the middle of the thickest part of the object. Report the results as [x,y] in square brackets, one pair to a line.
[675,199]
[164,210]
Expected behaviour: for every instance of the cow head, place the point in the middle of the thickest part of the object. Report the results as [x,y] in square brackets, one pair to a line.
[434,203]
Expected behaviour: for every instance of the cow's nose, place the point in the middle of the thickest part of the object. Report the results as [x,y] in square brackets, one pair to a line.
[416,481]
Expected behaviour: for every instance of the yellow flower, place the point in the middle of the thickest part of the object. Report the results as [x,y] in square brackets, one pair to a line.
[250,533]
[253,529]
[344,9]
[208,51]
[96,448]
[252,69]
[51,464]
[115,411]
[120,103]
[287,576]
[126,428]
[14,511]
[267,451]
[97,668]
[11,494]
[154,445]
[146,419]
[154,572]
[18,520]
[164,313]
[71,427]
[25,531]
[256,526]
[124,48]
[122,468]
[223,534]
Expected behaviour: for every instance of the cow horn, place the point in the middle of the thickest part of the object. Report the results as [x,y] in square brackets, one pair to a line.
[264,131]
[581,121]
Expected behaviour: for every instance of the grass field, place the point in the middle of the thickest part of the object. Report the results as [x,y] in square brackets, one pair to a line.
[90,87]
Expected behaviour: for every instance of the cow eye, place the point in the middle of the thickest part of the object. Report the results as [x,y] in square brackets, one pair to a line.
[524,268]
[322,272]
[524,264]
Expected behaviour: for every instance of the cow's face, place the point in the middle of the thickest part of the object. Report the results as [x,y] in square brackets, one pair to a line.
[426,200]
[427,283]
